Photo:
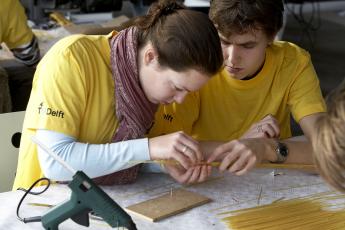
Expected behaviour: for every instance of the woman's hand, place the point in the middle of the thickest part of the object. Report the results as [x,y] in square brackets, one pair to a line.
[268,127]
[239,156]
[196,174]
[177,146]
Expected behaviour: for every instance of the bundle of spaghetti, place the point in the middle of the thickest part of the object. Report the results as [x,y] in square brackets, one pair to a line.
[320,211]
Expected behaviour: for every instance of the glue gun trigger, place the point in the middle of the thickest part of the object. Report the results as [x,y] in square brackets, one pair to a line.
[82,218]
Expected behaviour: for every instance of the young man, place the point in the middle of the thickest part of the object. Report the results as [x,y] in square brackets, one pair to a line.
[248,104]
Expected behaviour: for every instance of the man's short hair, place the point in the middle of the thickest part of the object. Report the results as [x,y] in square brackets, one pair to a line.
[242,16]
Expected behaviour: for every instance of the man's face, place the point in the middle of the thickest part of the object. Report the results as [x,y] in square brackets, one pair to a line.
[244,54]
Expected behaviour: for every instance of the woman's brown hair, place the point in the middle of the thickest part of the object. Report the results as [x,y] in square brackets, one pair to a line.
[329,140]
[182,38]
[241,16]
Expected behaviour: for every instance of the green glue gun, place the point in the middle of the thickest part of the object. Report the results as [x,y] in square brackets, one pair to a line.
[86,197]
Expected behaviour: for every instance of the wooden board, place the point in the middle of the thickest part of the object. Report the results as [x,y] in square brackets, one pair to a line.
[167,205]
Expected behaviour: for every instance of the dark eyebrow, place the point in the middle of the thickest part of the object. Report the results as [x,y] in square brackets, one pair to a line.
[248,43]
[182,88]
[241,44]
[186,90]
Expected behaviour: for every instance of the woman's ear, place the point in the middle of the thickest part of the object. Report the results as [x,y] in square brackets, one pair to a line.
[150,55]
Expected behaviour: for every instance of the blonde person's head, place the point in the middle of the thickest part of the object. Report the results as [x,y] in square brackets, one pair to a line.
[329,140]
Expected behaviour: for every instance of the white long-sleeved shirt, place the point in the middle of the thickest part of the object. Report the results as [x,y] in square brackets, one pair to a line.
[94,159]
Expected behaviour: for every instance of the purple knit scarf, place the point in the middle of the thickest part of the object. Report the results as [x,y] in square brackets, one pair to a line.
[133,110]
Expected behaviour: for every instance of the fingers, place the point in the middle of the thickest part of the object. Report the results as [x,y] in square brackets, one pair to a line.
[200,174]
[250,164]
[219,151]
[188,152]
[209,171]
[205,172]
[272,125]
[228,162]
[177,146]
[215,155]
[192,175]
[195,175]
[267,127]
[269,130]
[193,150]
[181,159]
[245,161]
[188,148]
[179,174]
[238,157]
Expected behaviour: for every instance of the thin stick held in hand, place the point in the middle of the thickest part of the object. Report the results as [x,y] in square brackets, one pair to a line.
[216,164]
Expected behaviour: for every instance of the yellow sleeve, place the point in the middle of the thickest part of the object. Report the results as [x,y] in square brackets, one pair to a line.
[14,30]
[59,92]
[176,117]
[305,96]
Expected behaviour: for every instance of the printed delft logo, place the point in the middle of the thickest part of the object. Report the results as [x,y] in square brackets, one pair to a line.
[168,117]
[49,111]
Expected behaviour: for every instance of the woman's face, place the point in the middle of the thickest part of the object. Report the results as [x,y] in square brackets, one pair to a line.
[164,85]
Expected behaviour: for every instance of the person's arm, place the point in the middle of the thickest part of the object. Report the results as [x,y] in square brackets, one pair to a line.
[94,159]
[17,35]
[239,156]
[300,149]
[29,53]
[101,159]
[307,105]
[267,127]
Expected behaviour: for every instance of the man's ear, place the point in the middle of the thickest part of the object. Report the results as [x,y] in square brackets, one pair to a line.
[272,38]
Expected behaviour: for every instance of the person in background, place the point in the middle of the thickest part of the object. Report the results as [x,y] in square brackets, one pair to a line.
[242,114]
[94,98]
[18,37]
[329,140]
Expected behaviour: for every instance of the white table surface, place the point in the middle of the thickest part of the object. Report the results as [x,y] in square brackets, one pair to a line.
[227,191]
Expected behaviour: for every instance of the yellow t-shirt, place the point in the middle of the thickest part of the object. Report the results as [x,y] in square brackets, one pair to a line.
[226,107]
[14,30]
[72,93]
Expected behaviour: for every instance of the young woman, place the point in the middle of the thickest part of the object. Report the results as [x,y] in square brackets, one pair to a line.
[94,98]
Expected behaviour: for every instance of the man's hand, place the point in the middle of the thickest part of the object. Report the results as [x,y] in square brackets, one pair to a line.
[239,156]
[268,127]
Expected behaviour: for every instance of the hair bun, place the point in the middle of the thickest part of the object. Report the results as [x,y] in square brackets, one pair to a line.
[168,7]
